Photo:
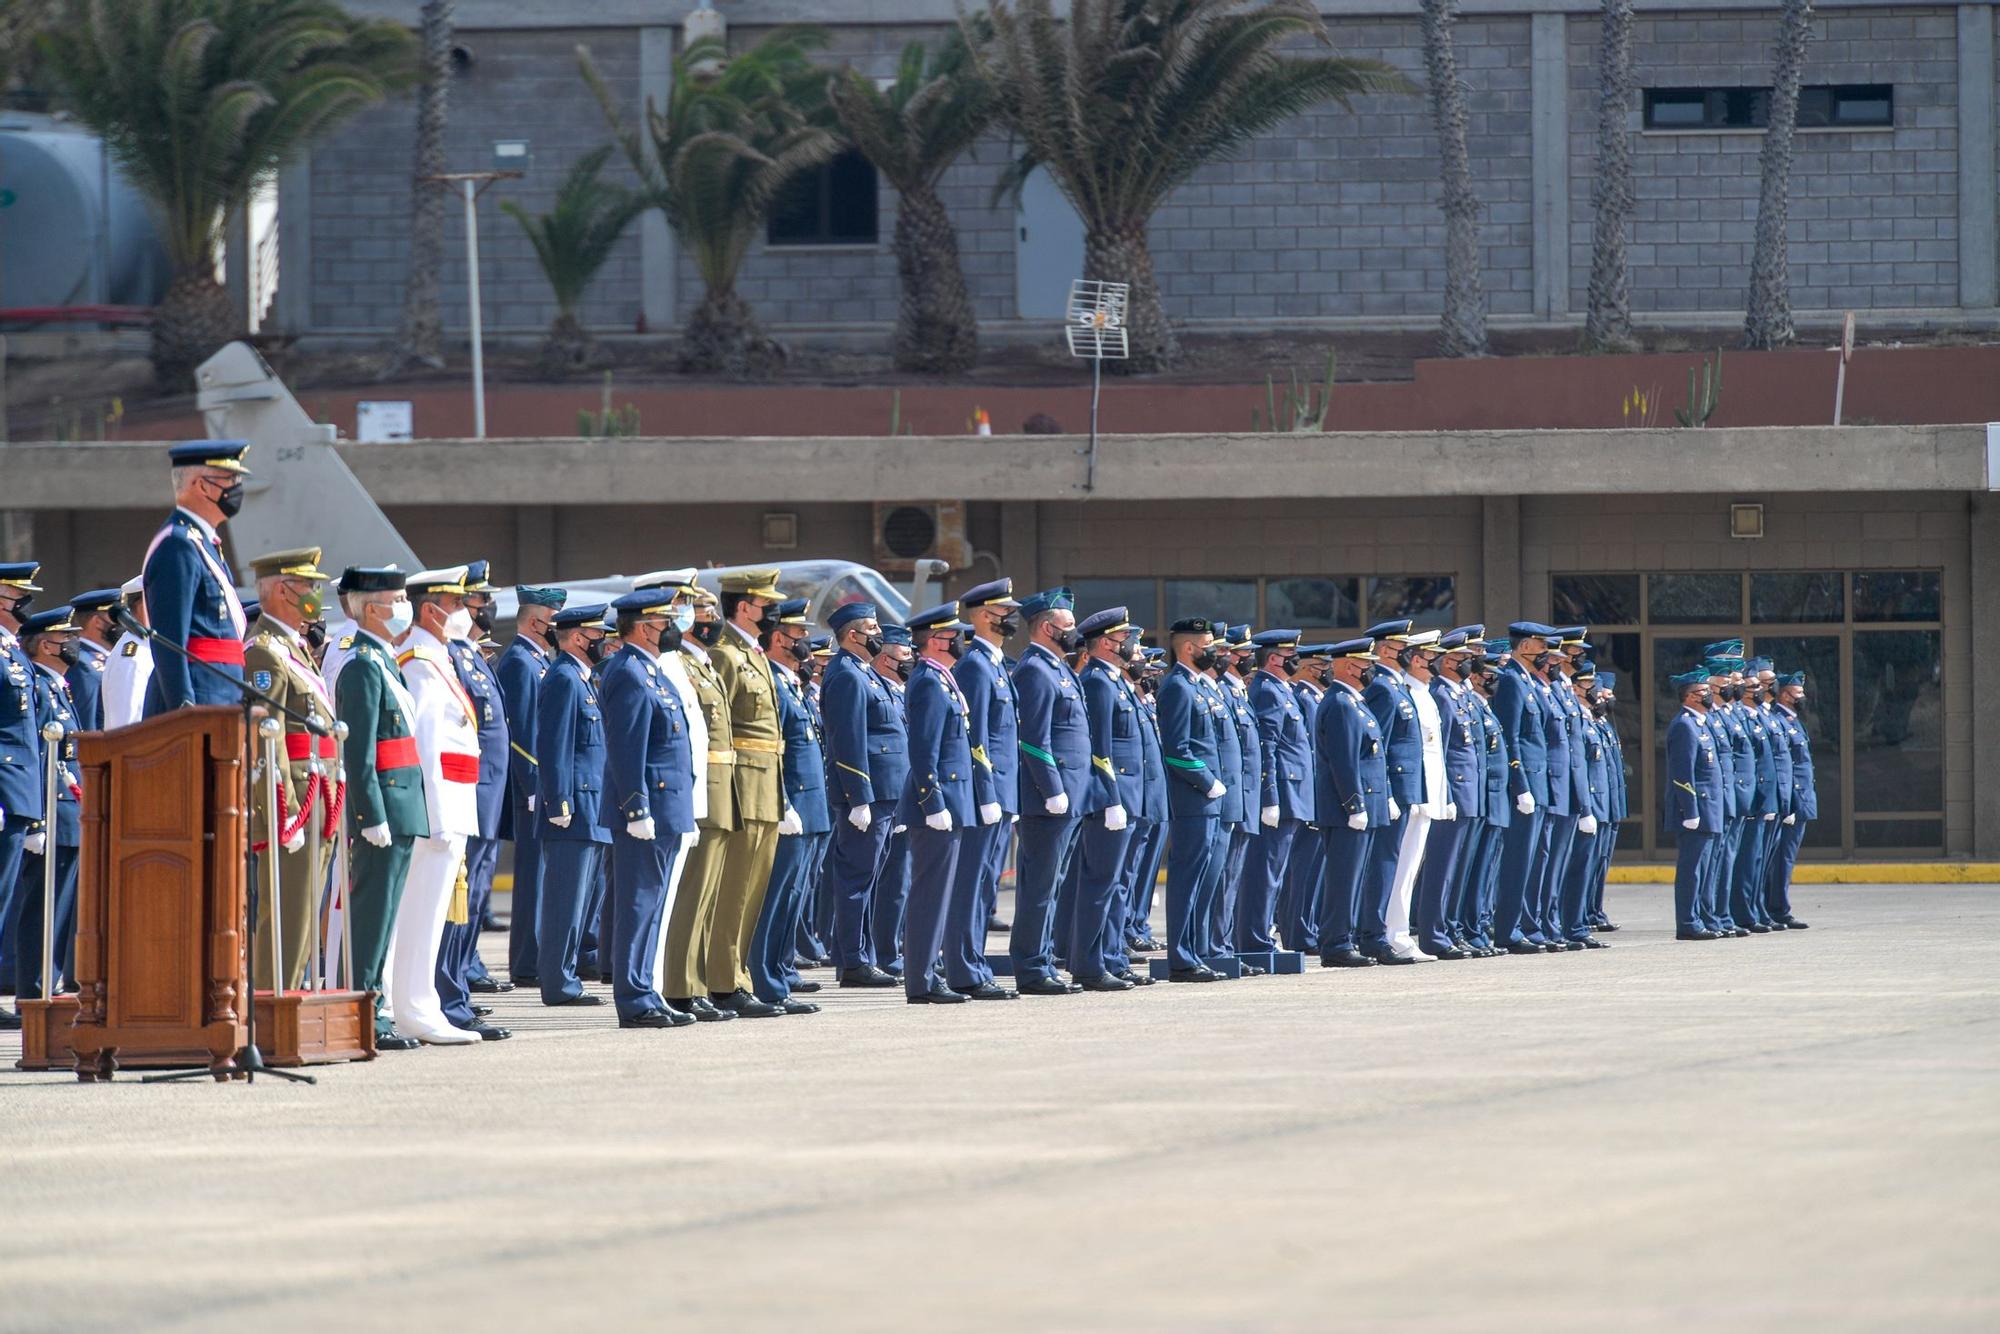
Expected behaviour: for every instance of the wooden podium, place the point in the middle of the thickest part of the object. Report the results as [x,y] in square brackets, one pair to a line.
[160,899]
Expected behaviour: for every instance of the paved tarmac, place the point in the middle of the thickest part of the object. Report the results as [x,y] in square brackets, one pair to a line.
[1799,1131]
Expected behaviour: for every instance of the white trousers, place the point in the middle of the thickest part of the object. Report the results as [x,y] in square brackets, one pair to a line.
[1409,860]
[411,973]
[688,840]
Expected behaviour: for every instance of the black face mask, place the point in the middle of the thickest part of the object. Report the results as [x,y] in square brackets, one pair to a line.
[1203,659]
[18,609]
[594,649]
[670,638]
[1489,682]
[1070,641]
[708,633]
[806,668]
[315,634]
[872,645]
[1009,625]
[906,669]
[1147,685]
[230,502]
[482,619]
[72,652]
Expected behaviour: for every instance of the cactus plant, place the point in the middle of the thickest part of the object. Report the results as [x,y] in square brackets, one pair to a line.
[607,422]
[1305,406]
[1702,395]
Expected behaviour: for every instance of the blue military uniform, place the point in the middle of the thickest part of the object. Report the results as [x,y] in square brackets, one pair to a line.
[890,898]
[60,837]
[1804,808]
[1350,789]
[1117,793]
[794,870]
[191,597]
[1521,703]
[994,736]
[522,666]
[649,766]
[1388,698]
[1192,720]
[20,748]
[1596,804]
[1286,778]
[1449,849]
[86,671]
[1250,761]
[1694,798]
[1475,918]
[570,753]
[1299,900]
[1746,881]
[937,807]
[1216,940]
[1148,844]
[459,966]
[1054,746]
[866,740]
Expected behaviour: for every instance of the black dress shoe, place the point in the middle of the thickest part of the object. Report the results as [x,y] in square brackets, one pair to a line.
[1252,970]
[1741,931]
[1696,935]
[585,999]
[936,996]
[791,1006]
[1043,986]
[1450,952]
[481,1011]
[807,987]
[1593,943]
[1759,929]
[988,991]
[1792,924]
[1142,947]
[488,922]
[1135,978]
[1194,975]
[488,985]
[491,1032]
[1607,926]
[654,1019]
[707,1013]
[869,976]
[1522,947]
[994,924]
[1391,957]
[395,1042]
[1103,983]
[752,1008]
[528,980]
[1346,957]
[10,1021]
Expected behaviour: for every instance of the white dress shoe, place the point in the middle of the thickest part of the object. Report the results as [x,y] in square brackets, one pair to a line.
[447,1037]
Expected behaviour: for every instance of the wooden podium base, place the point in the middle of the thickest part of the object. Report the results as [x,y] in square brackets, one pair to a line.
[302,1028]
[45,1034]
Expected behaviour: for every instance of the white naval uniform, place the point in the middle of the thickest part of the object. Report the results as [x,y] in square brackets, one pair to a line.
[126,673]
[674,668]
[446,726]
[1417,820]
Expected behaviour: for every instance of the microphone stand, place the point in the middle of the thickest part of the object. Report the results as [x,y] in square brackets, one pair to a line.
[249,1061]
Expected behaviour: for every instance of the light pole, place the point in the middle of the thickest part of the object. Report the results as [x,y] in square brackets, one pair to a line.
[471,185]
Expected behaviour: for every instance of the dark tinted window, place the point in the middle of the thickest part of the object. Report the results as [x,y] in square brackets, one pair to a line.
[1233,600]
[1596,599]
[1898,721]
[1896,595]
[833,204]
[1428,600]
[1139,597]
[1695,599]
[1795,597]
[1312,603]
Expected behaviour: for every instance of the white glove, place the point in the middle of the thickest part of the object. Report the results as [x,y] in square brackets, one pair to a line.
[1269,815]
[791,824]
[1587,825]
[990,813]
[1013,819]
[641,828]
[1395,811]
[1358,821]
[34,843]
[531,803]
[940,822]
[1115,818]
[1215,791]
[296,841]
[377,834]
[1451,810]
[559,821]
[861,817]
[1771,816]
[1691,824]
[1058,804]
[1525,803]
[1791,819]
[899,829]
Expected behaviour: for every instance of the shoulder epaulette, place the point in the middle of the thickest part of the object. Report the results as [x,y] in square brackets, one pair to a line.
[132,649]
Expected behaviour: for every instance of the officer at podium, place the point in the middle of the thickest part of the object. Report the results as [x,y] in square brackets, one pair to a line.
[190,592]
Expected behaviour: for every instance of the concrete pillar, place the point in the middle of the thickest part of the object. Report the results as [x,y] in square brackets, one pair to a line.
[659,295]
[291,311]
[236,265]
[1549,140]
[534,542]
[1021,544]
[1976,233]
[1982,608]
[1500,563]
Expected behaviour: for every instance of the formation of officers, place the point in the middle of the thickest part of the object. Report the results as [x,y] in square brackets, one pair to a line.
[704,797]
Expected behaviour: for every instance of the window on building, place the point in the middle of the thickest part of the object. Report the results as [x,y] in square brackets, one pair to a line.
[1313,604]
[1838,106]
[1232,600]
[832,204]
[1695,599]
[1896,595]
[1596,599]
[1139,597]
[1795,597]
[1429,600]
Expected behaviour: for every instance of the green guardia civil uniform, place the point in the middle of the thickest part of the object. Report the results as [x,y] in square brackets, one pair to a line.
[385,785]
[750,848]
[690,923]
[277,662]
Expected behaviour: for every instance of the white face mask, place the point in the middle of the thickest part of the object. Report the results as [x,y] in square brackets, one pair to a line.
[458,625]
[399,618]
[684,618]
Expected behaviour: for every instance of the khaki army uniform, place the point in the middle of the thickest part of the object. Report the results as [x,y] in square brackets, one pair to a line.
[690,922]
[277,663]
[752,846]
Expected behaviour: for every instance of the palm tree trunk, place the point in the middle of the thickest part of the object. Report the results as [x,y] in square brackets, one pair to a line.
[1768,321]
[195,317]
[567,347]
[1463,330]
[1607,325]
[420,338]
[936,330]
[1118,253]
[723,336]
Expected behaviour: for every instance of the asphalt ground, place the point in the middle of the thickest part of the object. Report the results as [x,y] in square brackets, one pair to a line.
[1799,1131]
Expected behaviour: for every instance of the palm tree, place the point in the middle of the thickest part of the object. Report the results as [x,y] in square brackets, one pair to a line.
[1607,323]
[1126,99]
[421,337]
[199,100]
[572,241]
[1768,321]
[713,159]
[1462,332]
[912,131]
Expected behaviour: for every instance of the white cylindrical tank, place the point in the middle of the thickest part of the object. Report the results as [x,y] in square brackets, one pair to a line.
[72,234]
